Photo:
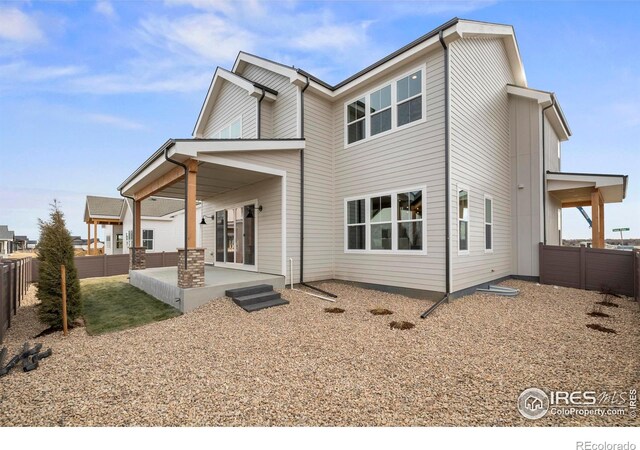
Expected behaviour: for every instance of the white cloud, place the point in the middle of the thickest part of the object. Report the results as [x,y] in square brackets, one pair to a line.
[17,26]
[205,35]
[118,122]
[331,37]
[105,8]
[431,7]
[21,72]
[224,6]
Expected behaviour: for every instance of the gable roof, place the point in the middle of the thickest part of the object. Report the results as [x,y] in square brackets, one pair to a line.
[545,98]
[5,233]
[221,75]
[102,207]
[452,30]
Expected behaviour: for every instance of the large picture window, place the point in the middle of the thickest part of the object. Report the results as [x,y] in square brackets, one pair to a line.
[463,221]
[386,108]
[390,222]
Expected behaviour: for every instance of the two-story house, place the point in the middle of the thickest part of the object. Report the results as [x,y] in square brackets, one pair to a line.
[433,170]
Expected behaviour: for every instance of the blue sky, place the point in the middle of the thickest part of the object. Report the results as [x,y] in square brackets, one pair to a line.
[88,90]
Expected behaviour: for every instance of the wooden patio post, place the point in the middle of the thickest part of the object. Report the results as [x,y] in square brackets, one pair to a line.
[595,219]
[191,204]
[95,236]
[88,238]
[601,226]
[137,217]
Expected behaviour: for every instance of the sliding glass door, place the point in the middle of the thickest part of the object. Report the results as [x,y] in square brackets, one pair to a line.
[235,236]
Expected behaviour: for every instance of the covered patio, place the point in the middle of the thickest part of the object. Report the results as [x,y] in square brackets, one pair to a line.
[162,283]
[243,186]
[577,190]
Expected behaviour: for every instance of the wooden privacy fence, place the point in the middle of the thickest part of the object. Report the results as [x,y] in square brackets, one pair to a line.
[109,265]
[15,276]
[591,269]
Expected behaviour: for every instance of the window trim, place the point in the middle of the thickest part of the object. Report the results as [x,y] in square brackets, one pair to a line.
[365,118]
[216,135]
[459,188]
[153,239]
[380,111]
[394,107]
[120,241]
[394,222]
[235,265]
[492,223]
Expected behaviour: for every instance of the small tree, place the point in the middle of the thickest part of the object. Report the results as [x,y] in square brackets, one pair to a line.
[55,249]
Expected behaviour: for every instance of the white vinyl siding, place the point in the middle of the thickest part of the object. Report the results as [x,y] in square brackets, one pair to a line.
[268,193]
[369,166]
[480,155]
[284,111]
[231,103]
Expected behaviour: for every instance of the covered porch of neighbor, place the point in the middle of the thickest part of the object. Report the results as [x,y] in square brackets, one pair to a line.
[578,190]
[244,225]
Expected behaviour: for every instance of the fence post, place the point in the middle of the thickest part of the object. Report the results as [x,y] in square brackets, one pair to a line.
[583,267]
[63,280]
[104,265]
[3,303]
[541,262]
[163,262]
[636,274]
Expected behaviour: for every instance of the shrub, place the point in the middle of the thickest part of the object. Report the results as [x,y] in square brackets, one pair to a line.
[55,249]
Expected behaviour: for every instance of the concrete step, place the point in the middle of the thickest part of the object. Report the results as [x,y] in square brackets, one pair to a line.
[263,305]
[241,292]
[256,298]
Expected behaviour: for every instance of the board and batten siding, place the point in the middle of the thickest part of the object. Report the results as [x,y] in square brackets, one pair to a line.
[284,111]
[231,103]
[480,156]
[410,157]
[270,256]
[526,161]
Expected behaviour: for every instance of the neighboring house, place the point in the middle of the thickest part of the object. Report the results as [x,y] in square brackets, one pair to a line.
[6,240]
[162,223]
[20,243]
[435,169]
[81,244]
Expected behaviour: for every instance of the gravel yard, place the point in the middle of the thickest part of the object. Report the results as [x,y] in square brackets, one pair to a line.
[298,365]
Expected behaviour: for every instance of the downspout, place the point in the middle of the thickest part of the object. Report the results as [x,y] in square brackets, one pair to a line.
[186,190]
[306,85]
[544,172]
[447,181]
[133,211]
[260,112]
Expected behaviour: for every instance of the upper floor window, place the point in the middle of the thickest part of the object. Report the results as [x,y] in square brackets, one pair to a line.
[356,120]
[409,98]
[386,108]
[231,131]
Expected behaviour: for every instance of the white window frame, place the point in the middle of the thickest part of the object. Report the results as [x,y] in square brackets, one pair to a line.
[153,239]
[490,198]
[394,107]
[458,219]
[115,241]
[216,135]
[394,222]
[380,111]
[365,119]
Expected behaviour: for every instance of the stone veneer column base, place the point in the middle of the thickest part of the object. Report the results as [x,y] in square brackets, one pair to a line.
[193,275]
[137,260]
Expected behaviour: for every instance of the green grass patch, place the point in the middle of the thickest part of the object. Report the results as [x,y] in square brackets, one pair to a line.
[112,304]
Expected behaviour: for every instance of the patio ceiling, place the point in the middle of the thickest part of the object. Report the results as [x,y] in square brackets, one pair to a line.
[215,179]
[572,189]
